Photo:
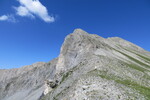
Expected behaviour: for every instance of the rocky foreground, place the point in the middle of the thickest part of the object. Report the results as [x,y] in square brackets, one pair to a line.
[89,67]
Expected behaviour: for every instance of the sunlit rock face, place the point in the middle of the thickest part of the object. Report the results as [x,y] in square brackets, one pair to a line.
[89,67]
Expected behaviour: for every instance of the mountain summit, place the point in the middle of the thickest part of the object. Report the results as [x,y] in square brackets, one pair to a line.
[89,67]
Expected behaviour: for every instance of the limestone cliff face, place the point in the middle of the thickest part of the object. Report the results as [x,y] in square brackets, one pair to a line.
[74,46]
[89,67]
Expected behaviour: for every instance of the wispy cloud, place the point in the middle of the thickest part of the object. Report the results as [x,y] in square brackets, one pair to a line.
[33,8]
[9,18]
[3,18]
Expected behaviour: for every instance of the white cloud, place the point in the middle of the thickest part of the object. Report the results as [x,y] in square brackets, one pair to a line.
[9,18]
[23,11]
[3,18]
[32,8]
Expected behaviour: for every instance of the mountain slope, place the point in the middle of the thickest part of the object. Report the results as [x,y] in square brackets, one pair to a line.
[89,67]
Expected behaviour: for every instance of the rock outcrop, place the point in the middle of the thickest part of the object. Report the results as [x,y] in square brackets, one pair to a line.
[89,67]
[49,86]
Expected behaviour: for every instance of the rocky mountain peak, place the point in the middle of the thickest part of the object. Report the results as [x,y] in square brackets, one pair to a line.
[76,44]
[79,31]
[89,67]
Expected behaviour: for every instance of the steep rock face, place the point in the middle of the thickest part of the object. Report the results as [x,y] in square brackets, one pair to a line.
[76,47]
[89,67]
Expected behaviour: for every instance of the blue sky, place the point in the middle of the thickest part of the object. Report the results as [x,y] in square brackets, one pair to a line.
[33,31]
